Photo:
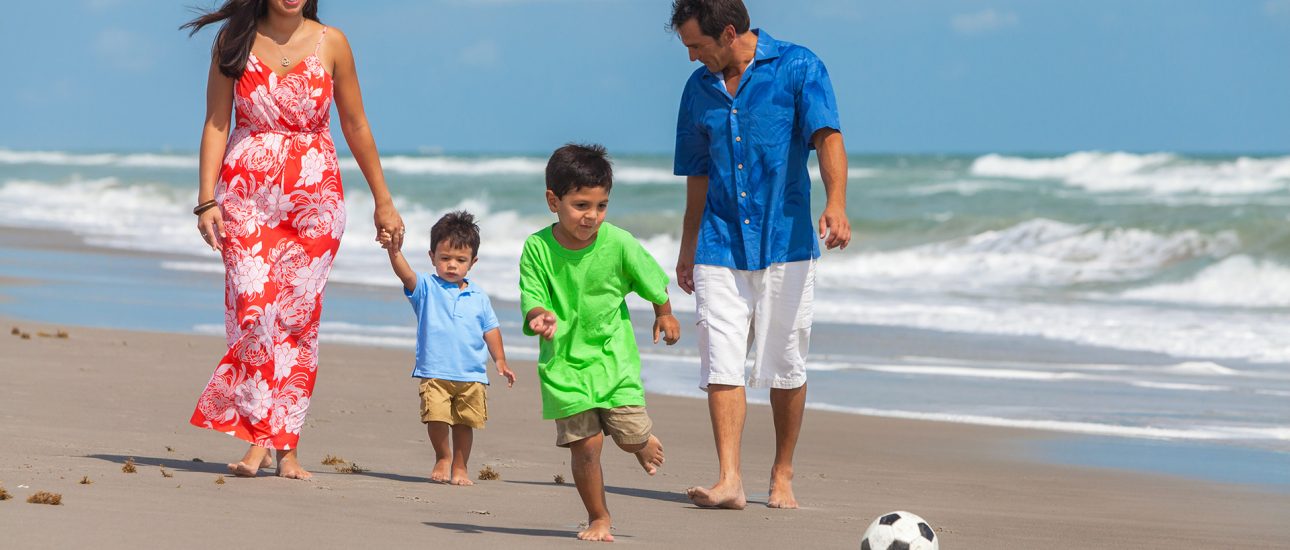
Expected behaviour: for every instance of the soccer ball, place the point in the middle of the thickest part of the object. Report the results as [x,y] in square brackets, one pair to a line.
[899,531]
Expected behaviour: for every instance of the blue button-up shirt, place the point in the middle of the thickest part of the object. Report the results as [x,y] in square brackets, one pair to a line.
[753,148]
[451,323]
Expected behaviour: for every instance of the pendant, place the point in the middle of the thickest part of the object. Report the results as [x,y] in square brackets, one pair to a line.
[286,62]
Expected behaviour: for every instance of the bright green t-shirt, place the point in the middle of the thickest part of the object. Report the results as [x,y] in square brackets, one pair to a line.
[592,361]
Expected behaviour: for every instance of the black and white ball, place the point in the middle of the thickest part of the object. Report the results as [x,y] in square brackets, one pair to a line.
[899,531]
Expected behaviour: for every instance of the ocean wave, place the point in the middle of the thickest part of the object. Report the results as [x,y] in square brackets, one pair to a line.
[1156,173]
[135,160]
[1038,253]
[1239,281]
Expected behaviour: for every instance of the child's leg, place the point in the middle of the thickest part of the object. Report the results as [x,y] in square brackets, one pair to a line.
[631,429]
[462,438]
[289,466]
[251,462]
[590,481]
[439,433]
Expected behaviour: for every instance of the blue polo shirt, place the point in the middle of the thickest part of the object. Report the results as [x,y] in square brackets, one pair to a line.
[753,147]
[451,323]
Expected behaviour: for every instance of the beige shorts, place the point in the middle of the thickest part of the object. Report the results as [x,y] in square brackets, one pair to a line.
[628,425]
[455,403]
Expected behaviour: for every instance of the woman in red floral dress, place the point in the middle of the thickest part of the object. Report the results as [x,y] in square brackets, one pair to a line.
[271,201]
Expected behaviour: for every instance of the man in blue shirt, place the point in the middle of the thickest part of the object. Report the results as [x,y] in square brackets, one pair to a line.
[747,123]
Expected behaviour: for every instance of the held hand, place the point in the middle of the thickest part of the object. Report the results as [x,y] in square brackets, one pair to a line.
[390,223]
[506,372]
[211,225]
[685,272]
[544,325]
[836,226]
[386,239]
[668,325]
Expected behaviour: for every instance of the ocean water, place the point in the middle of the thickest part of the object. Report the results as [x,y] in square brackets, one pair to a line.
[1141,296]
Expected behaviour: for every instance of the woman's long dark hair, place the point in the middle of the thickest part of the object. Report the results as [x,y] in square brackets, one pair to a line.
[233,43]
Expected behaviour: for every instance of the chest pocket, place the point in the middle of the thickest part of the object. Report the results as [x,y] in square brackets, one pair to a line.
[771,114]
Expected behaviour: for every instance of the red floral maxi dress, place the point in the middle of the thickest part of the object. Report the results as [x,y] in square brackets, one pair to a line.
[284,212]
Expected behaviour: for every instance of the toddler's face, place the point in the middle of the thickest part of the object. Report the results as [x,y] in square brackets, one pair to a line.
[452,263]
[580,212]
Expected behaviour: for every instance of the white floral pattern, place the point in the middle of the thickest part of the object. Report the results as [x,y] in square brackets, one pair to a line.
[284,212]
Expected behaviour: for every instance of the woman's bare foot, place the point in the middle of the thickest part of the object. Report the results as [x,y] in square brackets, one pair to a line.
[442,472]
[781,490]
[289,467]
[722,495]
[240,469]
[597,531]
[255,458]
[651,457]
[462,479]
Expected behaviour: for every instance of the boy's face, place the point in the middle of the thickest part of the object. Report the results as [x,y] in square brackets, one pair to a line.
[452,263]
[580,212]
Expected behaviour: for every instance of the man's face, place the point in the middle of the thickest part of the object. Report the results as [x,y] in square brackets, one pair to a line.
[713,53]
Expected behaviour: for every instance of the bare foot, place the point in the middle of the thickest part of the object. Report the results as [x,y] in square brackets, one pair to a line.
[597,531]
[722,495]
[291,469]
[461,477]
[267,462]
[781,489]
[441,472]
[651,457]
[240,469]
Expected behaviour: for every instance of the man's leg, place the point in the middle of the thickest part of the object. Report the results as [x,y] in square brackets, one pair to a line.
[727,407]
[787,407]
[590,481]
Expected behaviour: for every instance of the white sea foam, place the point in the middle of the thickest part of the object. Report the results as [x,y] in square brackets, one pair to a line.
[59,158]
[1201,368]
[1179,386]
[1157,173]
[976,372]
[1239,281]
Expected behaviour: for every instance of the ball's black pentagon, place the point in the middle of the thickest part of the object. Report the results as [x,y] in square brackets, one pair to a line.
[864,545]
[889,519]
[926,530]
[899,545]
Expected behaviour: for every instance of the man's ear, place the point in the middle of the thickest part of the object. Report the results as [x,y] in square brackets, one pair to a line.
[552,201]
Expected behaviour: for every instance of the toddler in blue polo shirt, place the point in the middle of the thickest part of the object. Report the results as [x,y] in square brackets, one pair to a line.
[456,332]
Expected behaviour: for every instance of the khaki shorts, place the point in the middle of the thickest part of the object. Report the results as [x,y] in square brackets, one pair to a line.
[455,403]
[628,425]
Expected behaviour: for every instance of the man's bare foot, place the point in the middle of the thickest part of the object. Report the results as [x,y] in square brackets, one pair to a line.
[442,472]
[781,490]
[651,457]
[597,531]
[461,477]
[240,469]
[722,495]
[290,469]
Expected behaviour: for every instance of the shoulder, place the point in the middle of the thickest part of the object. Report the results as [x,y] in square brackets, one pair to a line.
[335,36]
[618,237]
[537,242]
[695,82]
[796,55]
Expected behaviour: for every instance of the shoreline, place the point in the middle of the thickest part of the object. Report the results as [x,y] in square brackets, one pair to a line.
[79,406]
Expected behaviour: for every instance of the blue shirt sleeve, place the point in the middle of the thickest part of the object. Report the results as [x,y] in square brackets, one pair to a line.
[817,108]
[487,317]
[692,156]
[418,295]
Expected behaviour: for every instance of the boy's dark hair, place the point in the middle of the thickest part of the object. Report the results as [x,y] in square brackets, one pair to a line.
[458,229]
[576,166]
[712,15]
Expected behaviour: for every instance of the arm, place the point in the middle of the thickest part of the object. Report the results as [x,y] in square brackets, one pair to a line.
[696,196]
[219,106]
[666,322]
[493,339]
[402,269]
[353,123]
[541,322]
[832,154]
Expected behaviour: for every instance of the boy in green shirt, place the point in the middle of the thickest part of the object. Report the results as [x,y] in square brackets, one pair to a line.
[574,276]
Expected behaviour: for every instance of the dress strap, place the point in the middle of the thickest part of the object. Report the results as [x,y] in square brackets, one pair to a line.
[320,40]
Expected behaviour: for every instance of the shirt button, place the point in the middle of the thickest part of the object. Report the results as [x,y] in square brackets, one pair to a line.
[743,193]
[746,221]
[735,111]
[737,138]
[741,166]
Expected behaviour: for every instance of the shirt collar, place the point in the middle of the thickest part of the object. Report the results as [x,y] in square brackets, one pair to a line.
[450,285]
[767,48]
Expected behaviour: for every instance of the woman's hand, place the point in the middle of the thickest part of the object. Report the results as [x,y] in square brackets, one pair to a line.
[211,225]
[389,222]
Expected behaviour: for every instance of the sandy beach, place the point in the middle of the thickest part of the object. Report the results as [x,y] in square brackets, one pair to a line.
[78,407]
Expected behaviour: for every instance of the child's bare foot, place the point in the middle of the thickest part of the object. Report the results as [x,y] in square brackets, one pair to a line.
[290,469]
[651,457]
[781,489]
[722,495]
[442,471]
[597,531]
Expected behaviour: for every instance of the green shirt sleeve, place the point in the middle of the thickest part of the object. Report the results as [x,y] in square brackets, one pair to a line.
[533,281]
[648,279]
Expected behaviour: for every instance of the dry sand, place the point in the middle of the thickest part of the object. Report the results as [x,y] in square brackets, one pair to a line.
[77,407]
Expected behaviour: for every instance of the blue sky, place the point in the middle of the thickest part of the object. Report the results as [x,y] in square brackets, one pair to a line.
[527,75]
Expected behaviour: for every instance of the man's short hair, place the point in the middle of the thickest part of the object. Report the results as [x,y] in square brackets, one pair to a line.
[712,15]
[457,229]
[576,166]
